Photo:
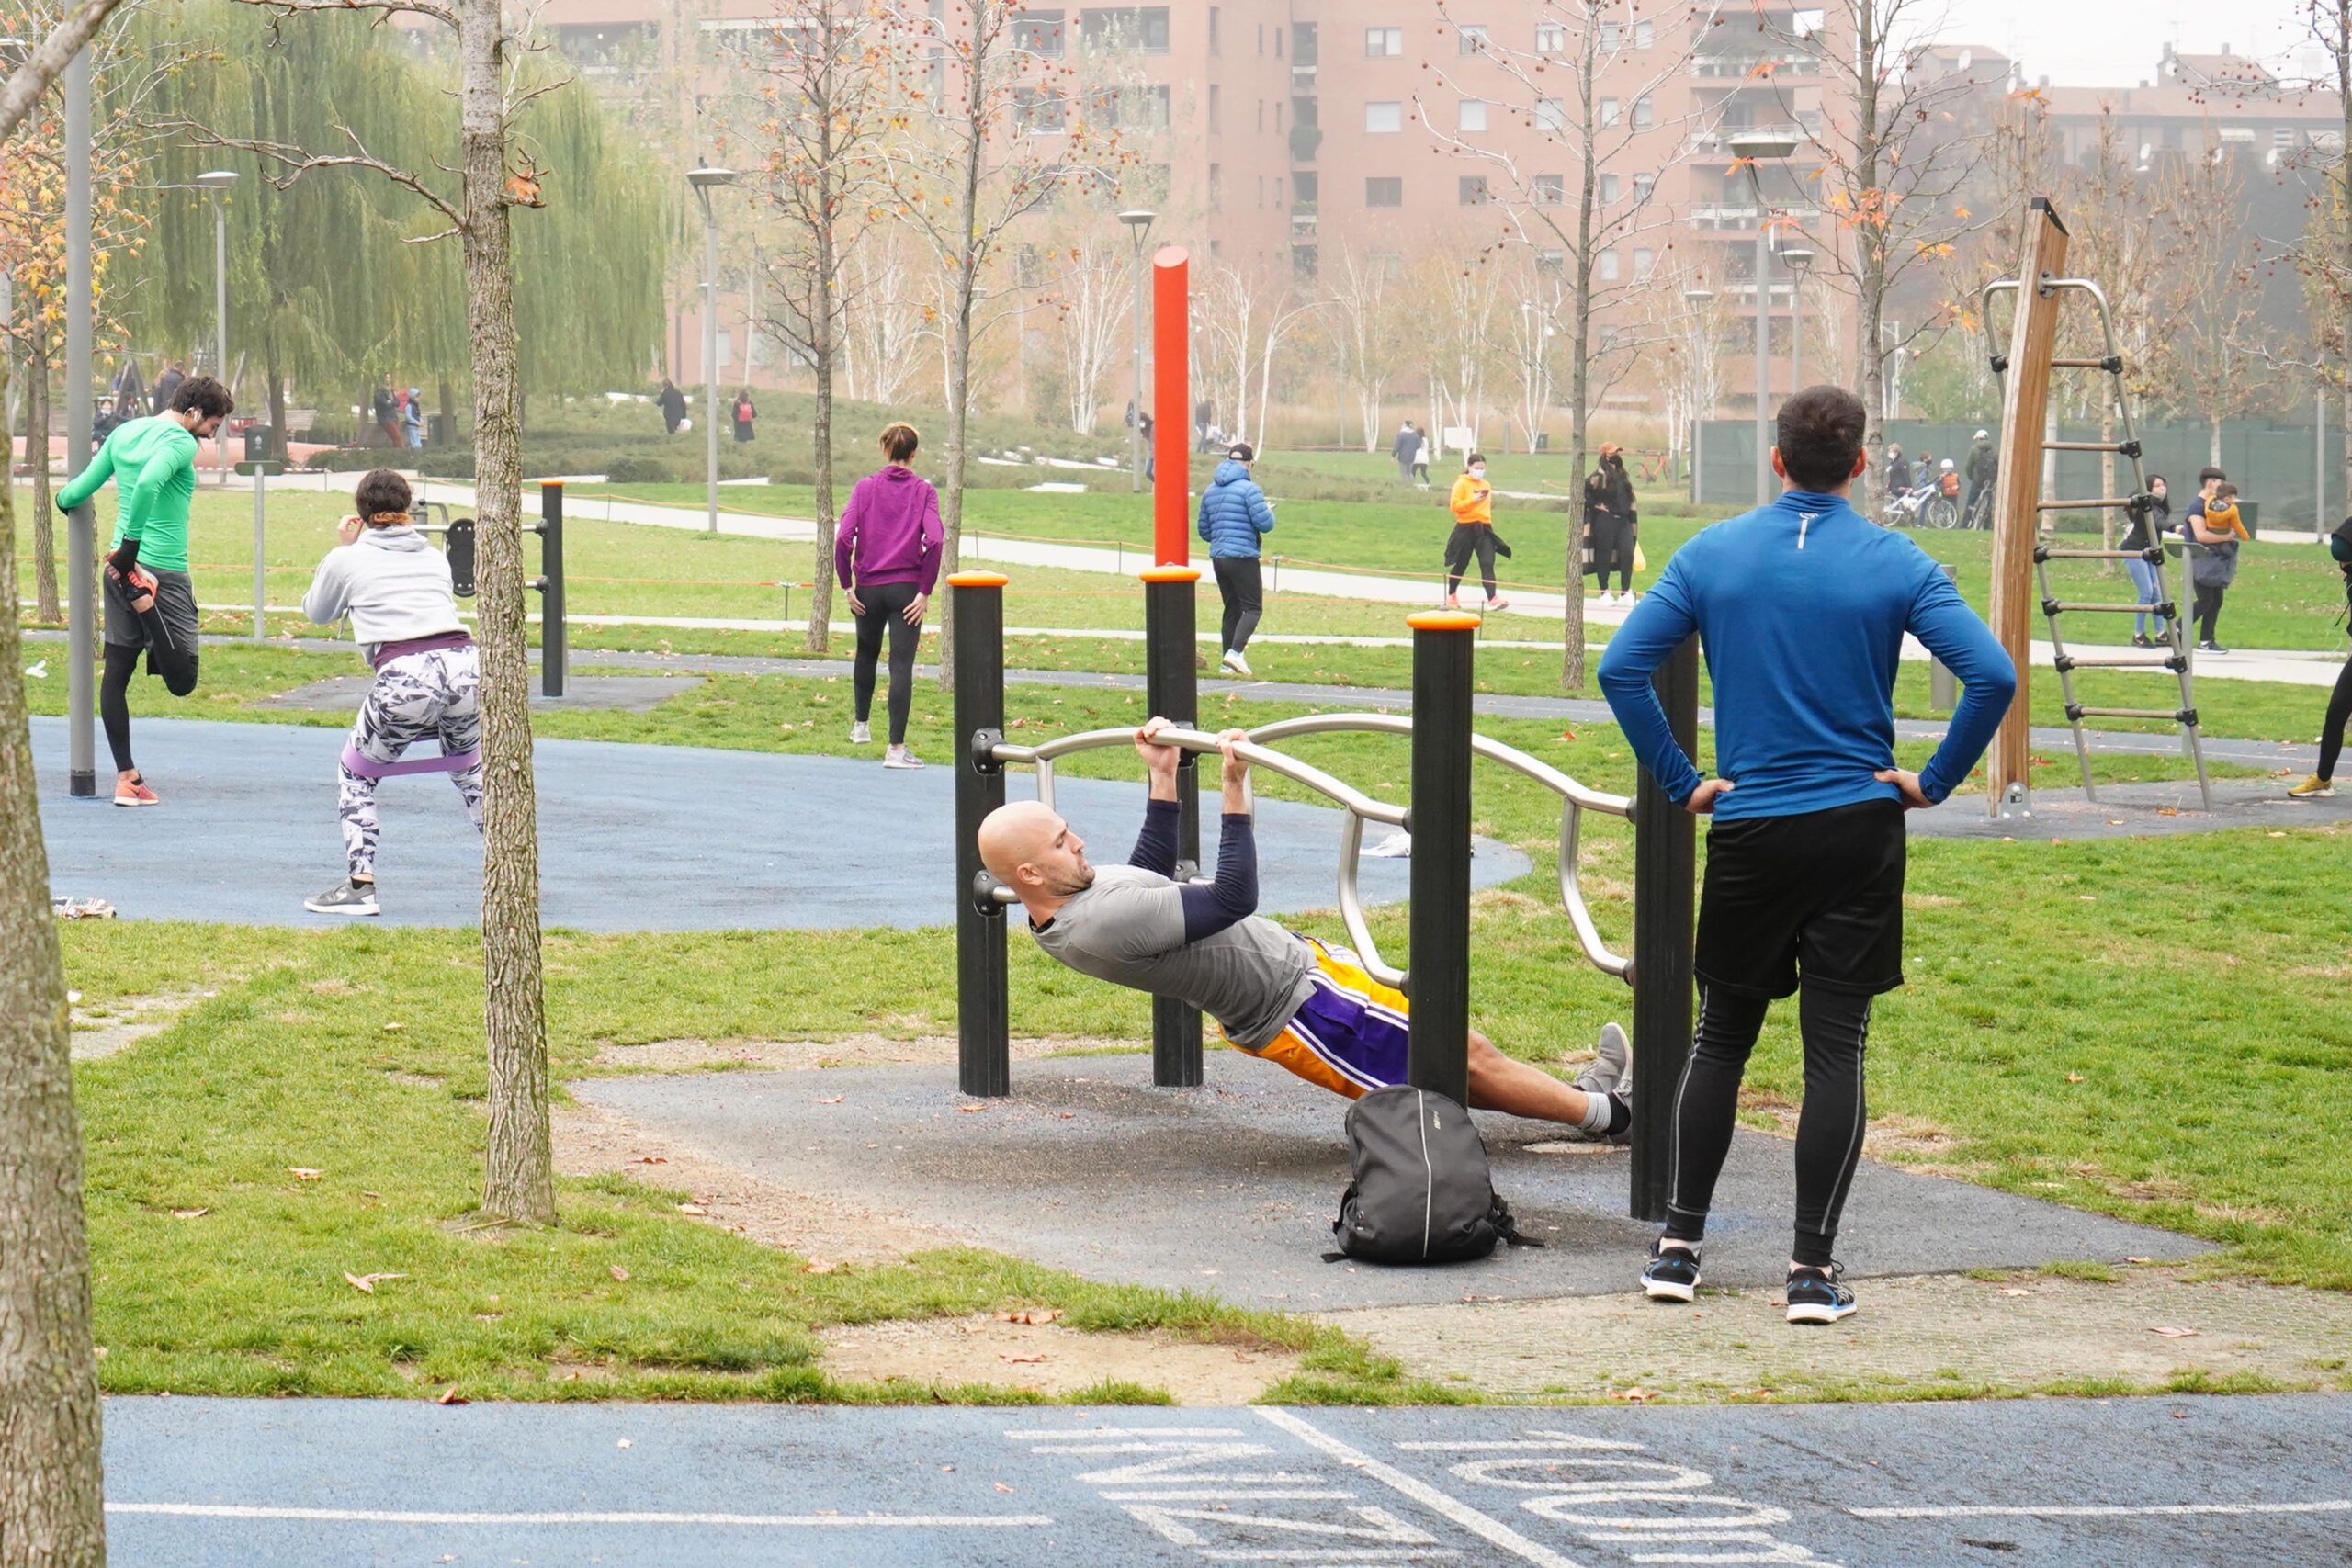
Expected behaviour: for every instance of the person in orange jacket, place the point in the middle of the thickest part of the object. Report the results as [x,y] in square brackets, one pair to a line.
[1473,533]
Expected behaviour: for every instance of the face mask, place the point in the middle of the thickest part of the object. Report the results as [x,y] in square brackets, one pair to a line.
[1478,473]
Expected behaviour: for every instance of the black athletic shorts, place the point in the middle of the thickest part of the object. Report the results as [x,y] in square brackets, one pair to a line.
[1819,894]
[175,604]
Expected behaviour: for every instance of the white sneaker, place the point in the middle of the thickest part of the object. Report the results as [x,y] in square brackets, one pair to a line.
[1239,665]
[899,757]
[861,733]
[1608,600]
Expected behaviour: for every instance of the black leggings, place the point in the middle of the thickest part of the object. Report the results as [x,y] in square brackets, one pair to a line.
[1836,1025]
[886,605]
[1613,546]
[1239,585]
[2339,709]
[176,667]
[1469,539]
[2208,610]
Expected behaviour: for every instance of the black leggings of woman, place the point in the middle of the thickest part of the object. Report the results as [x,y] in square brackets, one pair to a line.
[1613,548]
[2209,611]
[178,671]
[1469,539]
[1240,586]
[886,605]
[2331,735]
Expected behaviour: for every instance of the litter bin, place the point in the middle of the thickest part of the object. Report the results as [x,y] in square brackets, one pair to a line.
[2249,512]
[438,428]
[261,444]
[1542,441]
[1943,690]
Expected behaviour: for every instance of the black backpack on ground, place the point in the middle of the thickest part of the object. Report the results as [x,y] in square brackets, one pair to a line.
[1422,1191]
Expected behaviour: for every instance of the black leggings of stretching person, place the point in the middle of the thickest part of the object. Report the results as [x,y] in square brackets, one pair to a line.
[886,609]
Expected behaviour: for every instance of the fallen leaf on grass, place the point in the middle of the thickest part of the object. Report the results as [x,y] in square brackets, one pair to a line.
[2167,811]
[451,1397]
[303,1173]
[368,1283]
[189,1214]
[820,1268]
[1637,1395]
[833,1099]
[2073,1077]
[2130,1260]
[1064,1115]
[692,1209]
[651,1159]
[1030,1315]
[2171,1333]
[619,1272]
[971,1108]
[2277,835]
[1020,1361]
[394,1028]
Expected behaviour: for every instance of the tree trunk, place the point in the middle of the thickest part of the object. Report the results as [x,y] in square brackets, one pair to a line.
[37,454]
[52,1495]
[821,344]
[2214,454]
[519,1183]
[960,330]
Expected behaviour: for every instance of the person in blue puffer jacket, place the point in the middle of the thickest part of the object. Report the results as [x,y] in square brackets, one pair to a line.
[1235,514]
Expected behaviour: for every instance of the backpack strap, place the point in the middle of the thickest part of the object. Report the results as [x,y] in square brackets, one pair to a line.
[1507,1226]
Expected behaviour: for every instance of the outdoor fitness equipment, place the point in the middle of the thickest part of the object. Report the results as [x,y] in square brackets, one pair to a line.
[457,540]
[1438,816]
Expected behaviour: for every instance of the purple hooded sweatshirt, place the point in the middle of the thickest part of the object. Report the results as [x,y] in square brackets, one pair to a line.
[891,530]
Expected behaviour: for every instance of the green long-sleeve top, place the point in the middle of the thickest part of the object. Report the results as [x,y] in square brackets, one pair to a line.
[152,463]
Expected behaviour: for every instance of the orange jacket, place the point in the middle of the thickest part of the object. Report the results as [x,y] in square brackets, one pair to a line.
[1472,501]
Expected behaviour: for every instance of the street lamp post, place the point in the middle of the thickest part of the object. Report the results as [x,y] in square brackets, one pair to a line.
[1797,259]
[1751,148]
[1698,299]
[218,182]
[703,179]
[1138,222]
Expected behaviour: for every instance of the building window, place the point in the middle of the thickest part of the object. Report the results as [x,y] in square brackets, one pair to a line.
[1304,263]
[1379,117]
[1278,116]
[1384,43]
[1304,49]
[1550,263]
[1383,190]
[1126,27]
[1643,186]
[1551,37]
[1473,190]
[1306,186]
[1261,116]
[1645,113]
[2282,138]
[1551,190]
[1038,113]
[1642,262]
[1608,268]
[1645,35]
[1278,40]
[1261,38]
[1305,112]
[1608,111]
[1470,41]
[1472,115]
[1551,114]
[1612,35]
[1039,32]
[1217,188]
[1212,10]
[1609,190]
[1216,109]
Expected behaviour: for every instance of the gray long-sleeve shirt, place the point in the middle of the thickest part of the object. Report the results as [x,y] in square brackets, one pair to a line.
[391,582]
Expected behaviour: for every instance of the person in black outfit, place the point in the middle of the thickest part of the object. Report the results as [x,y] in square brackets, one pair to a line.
[744,412]
[673,406]
[1611,523]
[2320,785]
[1982,467]
[165,385]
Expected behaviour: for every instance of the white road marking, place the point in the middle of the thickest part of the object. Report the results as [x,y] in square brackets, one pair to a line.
[765,1521]
[1226,1495]
[1485,1527]
[1088,1434]
[2101,1511]
[1287,1554]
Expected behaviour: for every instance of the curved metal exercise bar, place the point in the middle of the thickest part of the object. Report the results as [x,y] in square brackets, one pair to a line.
[1358,807]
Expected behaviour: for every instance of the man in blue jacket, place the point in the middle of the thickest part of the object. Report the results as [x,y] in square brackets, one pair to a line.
[1801,608]
[1234,516]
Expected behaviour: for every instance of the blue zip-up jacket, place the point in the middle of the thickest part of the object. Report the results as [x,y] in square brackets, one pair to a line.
[1801,607]
[1234,512]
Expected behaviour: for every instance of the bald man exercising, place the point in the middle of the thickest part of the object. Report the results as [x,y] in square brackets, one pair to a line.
[1302,1004]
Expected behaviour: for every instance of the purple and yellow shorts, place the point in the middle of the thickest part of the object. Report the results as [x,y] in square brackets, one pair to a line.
[1348,1035]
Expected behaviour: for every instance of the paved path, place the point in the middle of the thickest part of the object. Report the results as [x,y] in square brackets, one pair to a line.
[628,832]
[2071,1484]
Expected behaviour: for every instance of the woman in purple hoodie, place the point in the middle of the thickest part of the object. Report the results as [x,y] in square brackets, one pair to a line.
[887,555]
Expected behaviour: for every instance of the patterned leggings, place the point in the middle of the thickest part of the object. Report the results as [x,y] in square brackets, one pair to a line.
[434,692]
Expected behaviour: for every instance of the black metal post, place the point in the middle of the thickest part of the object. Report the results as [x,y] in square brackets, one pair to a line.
[1438,1053]
[1171,691]
[983,1014]
[555,647]
[1666,844]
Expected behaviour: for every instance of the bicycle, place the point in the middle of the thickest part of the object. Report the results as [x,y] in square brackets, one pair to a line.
[1979,513]
[1941,511]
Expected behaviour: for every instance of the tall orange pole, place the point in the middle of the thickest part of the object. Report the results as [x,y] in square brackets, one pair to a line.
[1171,390]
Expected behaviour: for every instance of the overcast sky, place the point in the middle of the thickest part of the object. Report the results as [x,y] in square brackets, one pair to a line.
[2118,42]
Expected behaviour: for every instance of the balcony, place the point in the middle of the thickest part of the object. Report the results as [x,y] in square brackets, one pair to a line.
[1742,219]
[1739,67]
[1302,78]
[1302,221]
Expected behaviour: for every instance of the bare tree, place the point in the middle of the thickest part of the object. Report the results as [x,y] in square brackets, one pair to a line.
[52,1488]
[496,174]
[2208,359]
[882,319]
[825,108]
[2325,255]
[1366,330]
[1582,200]
[1091,304]
[974,74]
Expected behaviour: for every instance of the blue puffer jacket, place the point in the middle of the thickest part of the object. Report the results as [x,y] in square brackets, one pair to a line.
[1234,511]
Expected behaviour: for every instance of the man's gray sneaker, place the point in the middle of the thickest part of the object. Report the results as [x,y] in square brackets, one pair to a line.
[1607,1069]
[349,899]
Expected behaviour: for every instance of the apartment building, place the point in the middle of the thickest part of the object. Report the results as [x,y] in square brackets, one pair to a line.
[2197,102]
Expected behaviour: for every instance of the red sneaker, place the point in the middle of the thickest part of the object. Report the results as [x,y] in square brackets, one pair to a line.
[134,792]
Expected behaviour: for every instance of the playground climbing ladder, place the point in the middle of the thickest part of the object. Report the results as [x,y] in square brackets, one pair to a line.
[2020,537]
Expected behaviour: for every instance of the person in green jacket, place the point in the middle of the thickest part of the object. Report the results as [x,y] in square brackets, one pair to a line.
[150,598]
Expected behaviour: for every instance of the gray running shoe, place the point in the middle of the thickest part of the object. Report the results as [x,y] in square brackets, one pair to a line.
[861,733]
[349,899]
[1607,1069]
[899,757]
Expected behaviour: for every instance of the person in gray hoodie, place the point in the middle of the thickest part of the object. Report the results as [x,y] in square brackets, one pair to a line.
[396,589]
